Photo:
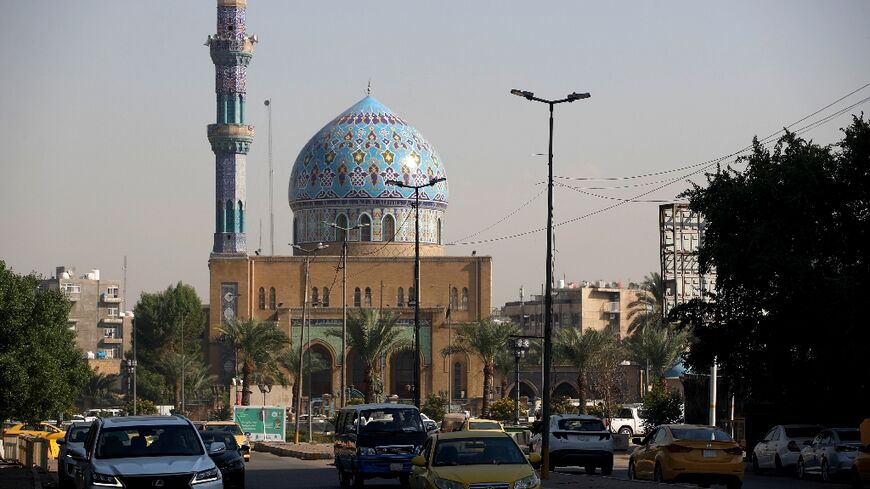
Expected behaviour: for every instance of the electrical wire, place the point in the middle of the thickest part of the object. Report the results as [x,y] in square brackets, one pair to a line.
[508,216]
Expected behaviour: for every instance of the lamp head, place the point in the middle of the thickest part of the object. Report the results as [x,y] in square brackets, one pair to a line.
[523,93]
[394,183]
[436,180]
[577,96]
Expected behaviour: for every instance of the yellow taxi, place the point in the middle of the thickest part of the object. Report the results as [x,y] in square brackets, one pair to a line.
[688,453]
[480,424]
[861,467]
[233,428]
[43,430]
[462,459]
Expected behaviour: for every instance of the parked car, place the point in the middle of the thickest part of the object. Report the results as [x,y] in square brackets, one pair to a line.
[463,459]
[452,422]
[577,439]
[780,447]
[66,465]
[146,452]
[861,468]
[242,438]
[688,453]
[628,421]
[831,452]
[230,462]
[42,430]
[428,423]
[377,440]
[480,424]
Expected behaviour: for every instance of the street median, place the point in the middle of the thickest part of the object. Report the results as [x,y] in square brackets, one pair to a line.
[303,451]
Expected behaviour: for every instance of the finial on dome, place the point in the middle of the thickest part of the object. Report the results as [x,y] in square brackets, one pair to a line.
[369,88]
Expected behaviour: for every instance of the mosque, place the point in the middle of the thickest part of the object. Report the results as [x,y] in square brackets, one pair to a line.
[339,184]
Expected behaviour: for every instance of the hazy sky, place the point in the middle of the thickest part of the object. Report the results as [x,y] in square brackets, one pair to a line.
[105,105]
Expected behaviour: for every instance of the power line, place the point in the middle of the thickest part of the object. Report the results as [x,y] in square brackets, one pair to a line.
[509,215]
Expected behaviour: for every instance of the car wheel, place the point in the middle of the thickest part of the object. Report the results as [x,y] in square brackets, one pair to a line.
[632,475]
[826,474]
[607,468]
[801,470]
[658,476]
[590,469]
[734,484]
[755,468]
[777,463]
[625,430]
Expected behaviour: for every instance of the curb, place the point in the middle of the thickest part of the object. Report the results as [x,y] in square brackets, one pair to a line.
[289,452]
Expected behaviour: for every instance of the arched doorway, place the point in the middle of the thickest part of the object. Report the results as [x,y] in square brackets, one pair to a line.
[356,371]
[565,389]
[402,374]
[321,372]
[526,390]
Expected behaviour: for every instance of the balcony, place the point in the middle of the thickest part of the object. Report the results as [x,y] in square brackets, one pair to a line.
[611,307]
[110,299]
[73,296]
[112,341]
[112,320]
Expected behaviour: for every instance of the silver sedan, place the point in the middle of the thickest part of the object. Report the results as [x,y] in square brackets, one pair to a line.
[780,448]
[832,451]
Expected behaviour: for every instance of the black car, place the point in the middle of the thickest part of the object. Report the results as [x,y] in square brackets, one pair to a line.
[230,462]
[75,437]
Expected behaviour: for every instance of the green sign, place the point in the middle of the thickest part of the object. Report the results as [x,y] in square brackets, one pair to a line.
[251,419]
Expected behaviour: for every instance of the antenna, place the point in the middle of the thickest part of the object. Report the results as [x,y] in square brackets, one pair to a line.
[124,299]
[369,88]
[268,104]
[260,246]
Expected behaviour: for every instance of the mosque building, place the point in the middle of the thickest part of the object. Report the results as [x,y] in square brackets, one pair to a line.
[340,181]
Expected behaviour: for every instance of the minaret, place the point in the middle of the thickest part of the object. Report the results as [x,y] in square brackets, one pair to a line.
[231,51]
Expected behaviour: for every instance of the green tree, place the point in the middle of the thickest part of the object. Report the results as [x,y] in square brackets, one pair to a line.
[372,335]
[579,350]
[102,390]
[289,359]
[661,407]
[434,407]
[606,374]
[257,346]
[657,348]
[562,405]
[41,370]
[502,410]
[485,339]
[646,309]
[789,239]
[143,407]
[504,364]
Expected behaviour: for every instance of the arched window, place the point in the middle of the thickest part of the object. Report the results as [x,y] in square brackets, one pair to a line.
[357,299]
[465,298]
[272,298]
[341,225]
[388,228]
[295,230]
[261,299]
[368,297]
[458,387]
[241,217]
[454,298]
[400,297]
[229,218]
[315,296]
[326,297]
[365,231]
[411,297]
[438,230]
[219,218]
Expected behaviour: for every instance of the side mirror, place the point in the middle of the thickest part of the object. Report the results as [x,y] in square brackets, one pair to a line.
[77,453]
[248,434]
[419,461]
[534,458]
[217,448]
[61,441]
[637,440]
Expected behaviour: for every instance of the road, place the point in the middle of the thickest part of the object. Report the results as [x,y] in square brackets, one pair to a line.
[267,471]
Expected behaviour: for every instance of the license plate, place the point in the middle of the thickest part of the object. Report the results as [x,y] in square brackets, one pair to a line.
[709,453]
[395,467]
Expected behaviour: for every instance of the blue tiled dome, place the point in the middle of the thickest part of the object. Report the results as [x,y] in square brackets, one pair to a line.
[353,156]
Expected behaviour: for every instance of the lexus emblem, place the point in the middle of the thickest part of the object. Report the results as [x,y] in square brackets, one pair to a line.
[157,483]
[709,445]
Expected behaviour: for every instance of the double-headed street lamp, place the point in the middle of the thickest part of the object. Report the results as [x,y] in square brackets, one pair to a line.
[520,346]
[548,293]
[416,297]
[265,388]
[131,364]
[345,231]
[308,252]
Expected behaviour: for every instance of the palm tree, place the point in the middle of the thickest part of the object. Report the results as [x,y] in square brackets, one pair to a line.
[580,351]
[373,335]
[658,348]
[172,366]
[257,345]
[485,339]
[504,364]
[646,309]
[290,361]
[101,390]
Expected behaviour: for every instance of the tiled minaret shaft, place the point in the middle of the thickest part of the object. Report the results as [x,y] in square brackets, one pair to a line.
[230,137]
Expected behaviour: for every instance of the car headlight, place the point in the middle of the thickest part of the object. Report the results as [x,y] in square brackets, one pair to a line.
[528,482]
[448,484]
[367,451]
[106,480]
[206,476]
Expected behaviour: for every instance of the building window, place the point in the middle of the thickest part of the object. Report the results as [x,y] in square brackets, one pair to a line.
[438,230]
[272,298]
[412,299]
[326,297]
[112,292]
[368,297]
[365,231]
[315,296]
[229,218]
[388,228]
[400,297]
[71,288]
[357,299]
[71,327]
[295,230]
[341,225]
[113,312]
[458,389]
[241,217]
[110,332]
[454,298]
[261,299]
[465,298]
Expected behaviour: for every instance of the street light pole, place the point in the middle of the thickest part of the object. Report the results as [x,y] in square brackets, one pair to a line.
[416,188]
[519,346]
[346,231]
[548,293]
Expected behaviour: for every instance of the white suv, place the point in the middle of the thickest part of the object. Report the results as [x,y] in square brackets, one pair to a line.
[578,439]
[146,452]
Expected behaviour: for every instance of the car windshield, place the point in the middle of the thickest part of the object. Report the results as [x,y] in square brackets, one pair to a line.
[581,425]
[700,434]
[849,435]
[77,434]
[148,441]
[390,420]
[229,428]
[483,425]
[477,451]
[802,431]
[227,438]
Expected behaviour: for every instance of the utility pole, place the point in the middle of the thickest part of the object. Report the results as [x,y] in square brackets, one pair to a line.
[268,104]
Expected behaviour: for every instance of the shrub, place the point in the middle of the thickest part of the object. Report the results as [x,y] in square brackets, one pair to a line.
[434,407]
[143,406]
[661,407]
[563,405]
[502,409]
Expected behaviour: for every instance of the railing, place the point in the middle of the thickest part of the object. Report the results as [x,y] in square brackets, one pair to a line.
[29,451]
